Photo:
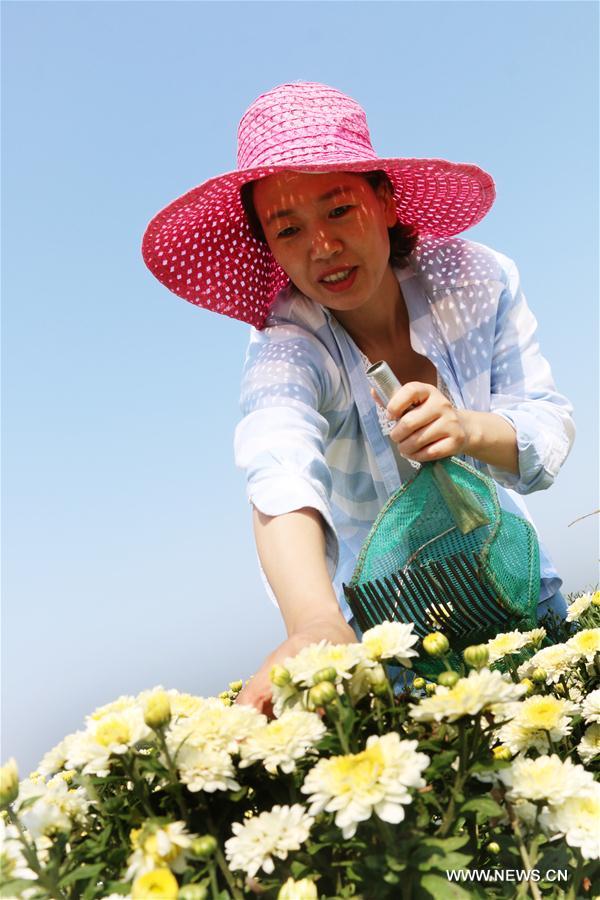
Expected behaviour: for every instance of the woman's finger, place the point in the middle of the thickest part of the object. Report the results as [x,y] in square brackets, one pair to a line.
[412,394]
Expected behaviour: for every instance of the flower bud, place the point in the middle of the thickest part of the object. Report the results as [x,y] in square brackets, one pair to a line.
[493,848]
[157,710]
[430,688]
[377,680]
[328,674]
[436,644]
[538,676]
[596,598]
[448,679]
[203,847]
[235,686]
[528,683]
[476,656]
[560,689]
[419,684]
[502,752]
[9,783]
[192,892]
[304,889]
[279,676]
[322,694]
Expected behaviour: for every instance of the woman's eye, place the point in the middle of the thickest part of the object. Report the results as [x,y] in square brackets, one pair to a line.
[339,211]
[287,232]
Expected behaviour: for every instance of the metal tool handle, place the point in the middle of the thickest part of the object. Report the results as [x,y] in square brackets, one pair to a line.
[383,380]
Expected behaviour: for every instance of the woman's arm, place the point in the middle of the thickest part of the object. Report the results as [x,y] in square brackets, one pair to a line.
[291,548]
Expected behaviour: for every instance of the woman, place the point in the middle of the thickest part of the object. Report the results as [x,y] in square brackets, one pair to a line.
[339,259]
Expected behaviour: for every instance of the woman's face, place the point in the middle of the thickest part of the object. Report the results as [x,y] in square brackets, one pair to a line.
[329,233]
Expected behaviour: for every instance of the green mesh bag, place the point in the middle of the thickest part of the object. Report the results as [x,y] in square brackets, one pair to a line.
[444,555]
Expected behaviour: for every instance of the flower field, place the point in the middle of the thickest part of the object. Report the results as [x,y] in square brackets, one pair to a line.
[368,782]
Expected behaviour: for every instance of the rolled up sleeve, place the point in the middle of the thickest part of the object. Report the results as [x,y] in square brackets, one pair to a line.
[523,393]
[280,442]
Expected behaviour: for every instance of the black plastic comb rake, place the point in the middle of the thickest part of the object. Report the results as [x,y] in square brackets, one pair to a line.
[446,595]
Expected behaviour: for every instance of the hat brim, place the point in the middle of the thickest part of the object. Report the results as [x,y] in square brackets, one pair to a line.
[200,246]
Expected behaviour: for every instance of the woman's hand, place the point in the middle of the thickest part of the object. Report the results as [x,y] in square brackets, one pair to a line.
[258,690]
[429,426]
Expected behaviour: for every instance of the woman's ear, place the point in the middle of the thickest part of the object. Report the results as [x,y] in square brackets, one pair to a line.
[389,206]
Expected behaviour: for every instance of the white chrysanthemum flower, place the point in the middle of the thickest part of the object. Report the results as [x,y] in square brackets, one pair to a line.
[577,819]
[111,734]
[546,778]
[55,807]
[215,726]
[505,644]
[589,746]
[288,696]
[537,722]
[121,704]
[270,834]
[283,741]
[54,760]
[535,636]
[391,640]
[556,661]
[14,864]
[527,813]
[158,845]
[585,644]
[206,769]
[469,697]
[358,784]
[590,707]
[312,659]
[578,607]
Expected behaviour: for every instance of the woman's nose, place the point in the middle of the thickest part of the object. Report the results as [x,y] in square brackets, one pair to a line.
[324,245]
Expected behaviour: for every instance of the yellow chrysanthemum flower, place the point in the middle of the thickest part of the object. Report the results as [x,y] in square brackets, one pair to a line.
[536,722]
[585,644]
[160,884]
[357,784]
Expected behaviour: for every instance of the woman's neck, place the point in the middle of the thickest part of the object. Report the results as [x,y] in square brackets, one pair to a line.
[381,322]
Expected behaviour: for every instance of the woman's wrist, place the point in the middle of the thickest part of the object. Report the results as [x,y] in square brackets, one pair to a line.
[490,439]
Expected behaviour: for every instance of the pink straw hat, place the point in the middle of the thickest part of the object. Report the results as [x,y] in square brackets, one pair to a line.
[201,247]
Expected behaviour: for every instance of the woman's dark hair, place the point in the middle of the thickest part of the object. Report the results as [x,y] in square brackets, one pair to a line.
[403,238]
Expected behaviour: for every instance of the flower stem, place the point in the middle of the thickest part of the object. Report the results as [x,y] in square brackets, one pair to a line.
[222,863]
[514,821]
[183,809]
[30,854]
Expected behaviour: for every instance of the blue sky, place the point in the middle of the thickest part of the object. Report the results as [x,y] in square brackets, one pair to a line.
[128,556]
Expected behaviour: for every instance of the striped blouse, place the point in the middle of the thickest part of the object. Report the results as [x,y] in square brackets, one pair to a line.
[310,435]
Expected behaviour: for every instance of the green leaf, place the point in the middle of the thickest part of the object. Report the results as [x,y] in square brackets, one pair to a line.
[436,886]
[445,861]
[298,870]
[484,807]
[396,865]
[81,872]
[443,758]
[446,844]
[10,889]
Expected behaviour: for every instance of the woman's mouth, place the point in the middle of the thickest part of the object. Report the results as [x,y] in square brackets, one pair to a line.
[340,280]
